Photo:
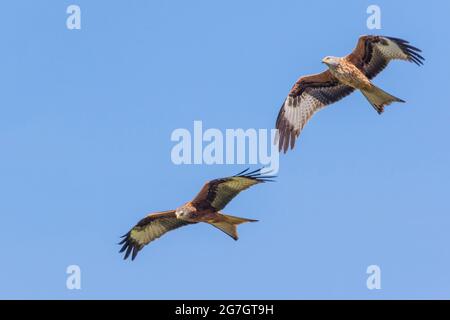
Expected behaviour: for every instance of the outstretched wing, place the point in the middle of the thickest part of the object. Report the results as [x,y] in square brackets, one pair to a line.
[373,53]
[308,95]
[148,229]
[216,194]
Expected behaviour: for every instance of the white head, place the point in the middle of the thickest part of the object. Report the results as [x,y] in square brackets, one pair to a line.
[182,212]
[331,61]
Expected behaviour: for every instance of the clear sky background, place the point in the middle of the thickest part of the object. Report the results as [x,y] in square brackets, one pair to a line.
[85,125]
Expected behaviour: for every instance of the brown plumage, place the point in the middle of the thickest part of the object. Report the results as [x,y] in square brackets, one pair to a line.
[354,71]
[205,207]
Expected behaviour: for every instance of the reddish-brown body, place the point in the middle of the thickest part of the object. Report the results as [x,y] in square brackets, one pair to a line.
[350,75]
[189,212]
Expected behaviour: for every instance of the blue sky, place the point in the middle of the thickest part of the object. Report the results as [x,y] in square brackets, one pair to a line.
[86,119]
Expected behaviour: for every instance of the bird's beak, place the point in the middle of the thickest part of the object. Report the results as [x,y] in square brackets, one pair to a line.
[323,60]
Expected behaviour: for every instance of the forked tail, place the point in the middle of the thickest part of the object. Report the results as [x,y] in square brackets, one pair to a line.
[379,98]
[227,224]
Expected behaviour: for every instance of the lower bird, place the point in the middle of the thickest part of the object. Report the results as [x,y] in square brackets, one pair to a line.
[205,207]
[344,75]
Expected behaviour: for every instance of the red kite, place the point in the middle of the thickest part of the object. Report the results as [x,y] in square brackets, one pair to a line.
[205,207]
[354,71]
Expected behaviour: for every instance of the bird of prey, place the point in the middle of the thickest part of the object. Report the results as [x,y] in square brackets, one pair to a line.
[205,207]
[344,75]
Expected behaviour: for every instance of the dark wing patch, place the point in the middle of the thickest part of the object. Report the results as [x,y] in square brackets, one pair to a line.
[373,53]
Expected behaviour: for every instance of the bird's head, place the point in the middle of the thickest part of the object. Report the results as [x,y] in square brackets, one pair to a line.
[183,212]
[331,61]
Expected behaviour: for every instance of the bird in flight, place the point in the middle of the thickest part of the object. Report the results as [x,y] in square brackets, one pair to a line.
[205,207]
[344,75]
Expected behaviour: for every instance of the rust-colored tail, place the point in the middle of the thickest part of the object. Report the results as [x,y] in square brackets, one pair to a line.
[227,224]
[379,98]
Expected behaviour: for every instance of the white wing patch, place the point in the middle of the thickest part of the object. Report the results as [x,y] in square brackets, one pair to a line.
[386,49]
[391,51]
[298,110]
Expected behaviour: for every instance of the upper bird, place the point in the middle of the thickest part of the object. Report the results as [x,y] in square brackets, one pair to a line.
[205,207]
[354,71]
